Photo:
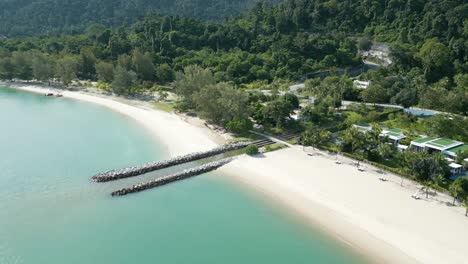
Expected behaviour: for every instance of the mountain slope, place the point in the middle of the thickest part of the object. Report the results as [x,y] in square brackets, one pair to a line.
[32,17]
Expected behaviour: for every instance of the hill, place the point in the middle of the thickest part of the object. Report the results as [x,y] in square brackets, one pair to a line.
[35,17]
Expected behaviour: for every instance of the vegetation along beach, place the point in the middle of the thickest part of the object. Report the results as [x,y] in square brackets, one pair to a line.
[285,131]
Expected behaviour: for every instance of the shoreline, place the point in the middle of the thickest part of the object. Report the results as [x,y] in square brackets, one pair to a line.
[167,127]
[378,220]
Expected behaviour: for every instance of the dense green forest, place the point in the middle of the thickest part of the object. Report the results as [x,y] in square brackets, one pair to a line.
[266,47]
[33,17]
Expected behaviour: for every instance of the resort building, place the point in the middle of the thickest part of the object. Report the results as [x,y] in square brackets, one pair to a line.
[446,146]
[361,84]
[431,144]
[394,134]
[453,152]
[456,168]
[363,127]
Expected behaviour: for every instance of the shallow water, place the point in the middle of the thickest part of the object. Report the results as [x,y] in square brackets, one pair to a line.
[50,211]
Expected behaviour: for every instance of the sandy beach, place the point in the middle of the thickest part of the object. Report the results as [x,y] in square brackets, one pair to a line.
[379,219]
[181,135]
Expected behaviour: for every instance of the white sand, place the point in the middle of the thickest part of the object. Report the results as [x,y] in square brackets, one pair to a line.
[377,218]
[180,136]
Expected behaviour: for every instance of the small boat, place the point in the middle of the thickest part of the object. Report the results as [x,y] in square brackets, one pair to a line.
[59,95]
[49,94]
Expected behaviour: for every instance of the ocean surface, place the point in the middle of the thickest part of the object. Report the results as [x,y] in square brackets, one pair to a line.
[51,212]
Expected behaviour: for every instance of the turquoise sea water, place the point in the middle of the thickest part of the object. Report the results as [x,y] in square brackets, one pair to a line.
[51,213]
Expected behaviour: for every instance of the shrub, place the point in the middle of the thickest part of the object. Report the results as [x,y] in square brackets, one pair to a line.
[251,150]
[239,125]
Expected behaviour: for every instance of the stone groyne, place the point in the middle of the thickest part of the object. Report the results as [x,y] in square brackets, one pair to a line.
[138,170]
[172,178]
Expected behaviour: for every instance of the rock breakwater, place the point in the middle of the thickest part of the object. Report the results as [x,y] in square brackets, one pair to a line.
[149,167]
[172,178]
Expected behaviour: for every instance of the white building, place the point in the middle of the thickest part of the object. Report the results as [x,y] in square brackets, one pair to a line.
[361,84]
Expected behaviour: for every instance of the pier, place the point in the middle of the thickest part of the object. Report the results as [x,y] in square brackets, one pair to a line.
[149,167]
[172,178]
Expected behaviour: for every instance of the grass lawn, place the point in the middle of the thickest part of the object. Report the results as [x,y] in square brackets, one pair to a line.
[245,137]
[163,106]
[274,147]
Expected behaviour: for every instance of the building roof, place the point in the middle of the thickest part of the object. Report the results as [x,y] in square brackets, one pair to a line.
[455,166]
[363,127]
[441,144]
[403,147]
[361,84]
[455,150]
[393,133]
[422,140]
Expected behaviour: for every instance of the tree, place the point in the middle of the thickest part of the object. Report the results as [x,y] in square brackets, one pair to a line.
[353,141]
[221,103]
[334,87]
[123,80]
[314,136]
[192,80]
[87,64]
[164,73]
[318,111]
[432,98]
[6,68]
[276,112]
[386,151]
[375,93]
[105,71]
[21,62]
[239,125]
[425,167]
[459,189]
[66,69]
[42,67]
[125,61]
[95,31]
[406,98]
[434,56]
[143,66]
[291,99]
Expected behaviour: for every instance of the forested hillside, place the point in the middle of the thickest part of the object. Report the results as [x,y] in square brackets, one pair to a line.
[269,45]
[33,17]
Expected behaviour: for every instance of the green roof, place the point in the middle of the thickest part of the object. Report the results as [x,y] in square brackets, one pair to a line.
[395,130]
[458,149]
[443,142]
[423,140]
[362,124]
[394,134]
